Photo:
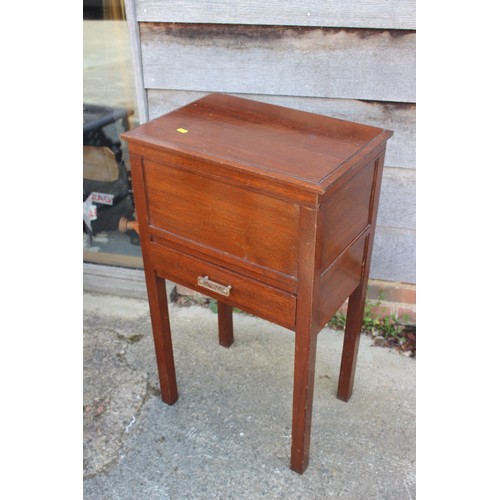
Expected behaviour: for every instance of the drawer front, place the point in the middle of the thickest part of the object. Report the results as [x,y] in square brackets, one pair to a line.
[223,218]
[245,293]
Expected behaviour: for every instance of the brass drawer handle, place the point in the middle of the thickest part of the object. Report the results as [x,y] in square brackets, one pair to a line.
[212,285]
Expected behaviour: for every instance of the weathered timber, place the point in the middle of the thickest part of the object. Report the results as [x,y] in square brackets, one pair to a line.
[135,51]
[390,14]
[398,198]
[394,255]
[342,63]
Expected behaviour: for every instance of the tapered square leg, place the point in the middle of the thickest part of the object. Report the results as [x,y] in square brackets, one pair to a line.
[158,306]
[356,305]
[225,319]
[354,322]
[303,389]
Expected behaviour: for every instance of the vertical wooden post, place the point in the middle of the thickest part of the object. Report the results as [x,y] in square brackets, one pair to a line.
[306,334]
[158,307]
[303,391]
[157,295]
[356,305]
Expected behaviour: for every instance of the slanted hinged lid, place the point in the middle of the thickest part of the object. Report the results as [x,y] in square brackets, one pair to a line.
[284,144]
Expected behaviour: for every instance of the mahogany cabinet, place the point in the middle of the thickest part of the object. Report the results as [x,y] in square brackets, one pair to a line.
[264,208]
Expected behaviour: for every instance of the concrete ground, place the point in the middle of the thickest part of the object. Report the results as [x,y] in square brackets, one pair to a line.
[228,435]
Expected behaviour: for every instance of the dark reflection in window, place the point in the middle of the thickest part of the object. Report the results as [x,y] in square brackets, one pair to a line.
[109,108]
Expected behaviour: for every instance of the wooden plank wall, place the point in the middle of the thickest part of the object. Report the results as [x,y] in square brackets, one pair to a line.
[350,59]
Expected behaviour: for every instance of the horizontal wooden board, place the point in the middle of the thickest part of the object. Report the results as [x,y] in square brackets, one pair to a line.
[391,14]
[113,259]
[394,255]
[313,62]
[398,117]
[397,207]
[114,280]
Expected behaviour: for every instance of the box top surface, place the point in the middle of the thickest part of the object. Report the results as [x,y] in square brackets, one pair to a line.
[278,142]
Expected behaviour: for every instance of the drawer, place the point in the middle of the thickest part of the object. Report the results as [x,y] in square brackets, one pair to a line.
[248,294]
[223,218]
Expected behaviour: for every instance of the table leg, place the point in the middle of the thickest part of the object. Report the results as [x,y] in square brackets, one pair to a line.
[356,306]
[225,317]
[303,388]
[354,322]
[158,306]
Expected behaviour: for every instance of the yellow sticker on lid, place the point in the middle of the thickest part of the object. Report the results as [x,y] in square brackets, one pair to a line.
[182,130]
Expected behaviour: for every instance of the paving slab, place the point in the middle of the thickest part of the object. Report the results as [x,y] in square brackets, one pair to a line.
[228,435]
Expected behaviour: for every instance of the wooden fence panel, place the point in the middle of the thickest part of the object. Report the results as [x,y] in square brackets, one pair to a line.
[394,255]
[389,14]
[342,63]
[397,198]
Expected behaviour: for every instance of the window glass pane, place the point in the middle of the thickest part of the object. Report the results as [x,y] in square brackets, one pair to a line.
[109,108]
